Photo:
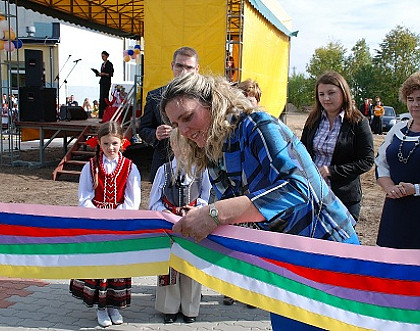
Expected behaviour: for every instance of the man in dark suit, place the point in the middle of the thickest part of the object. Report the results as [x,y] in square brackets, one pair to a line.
[366,109]
[107,71]
[151,128]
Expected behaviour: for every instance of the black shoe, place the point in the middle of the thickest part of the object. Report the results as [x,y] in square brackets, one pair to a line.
[188,319]
[170,318]
[228,301]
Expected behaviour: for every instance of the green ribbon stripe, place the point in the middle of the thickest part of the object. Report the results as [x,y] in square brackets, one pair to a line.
[252,271]
[126,245]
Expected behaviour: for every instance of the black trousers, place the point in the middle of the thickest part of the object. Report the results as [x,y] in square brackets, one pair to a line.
[103,94]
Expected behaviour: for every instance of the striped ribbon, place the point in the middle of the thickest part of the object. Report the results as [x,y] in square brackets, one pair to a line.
[327,284]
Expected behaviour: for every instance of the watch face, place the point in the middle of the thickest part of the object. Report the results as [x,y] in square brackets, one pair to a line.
[213,212]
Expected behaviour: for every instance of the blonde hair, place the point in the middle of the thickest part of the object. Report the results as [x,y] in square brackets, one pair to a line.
[250,88]
[409,86]
[178,149]
[225,104]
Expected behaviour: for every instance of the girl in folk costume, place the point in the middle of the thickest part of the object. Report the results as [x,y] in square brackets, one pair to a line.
[174,191]
[110,181]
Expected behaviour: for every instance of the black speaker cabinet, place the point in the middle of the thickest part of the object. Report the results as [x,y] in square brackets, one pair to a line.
[34,68]
[72,113]
[37,104]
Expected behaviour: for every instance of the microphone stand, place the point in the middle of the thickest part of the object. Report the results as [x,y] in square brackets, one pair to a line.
[57,78]
[65,79]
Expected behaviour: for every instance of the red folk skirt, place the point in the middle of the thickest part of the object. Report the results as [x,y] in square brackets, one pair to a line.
[113,293]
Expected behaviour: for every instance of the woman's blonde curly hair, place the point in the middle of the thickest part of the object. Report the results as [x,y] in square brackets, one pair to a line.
[224,103]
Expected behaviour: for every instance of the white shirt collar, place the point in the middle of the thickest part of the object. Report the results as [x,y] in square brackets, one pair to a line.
[109,161]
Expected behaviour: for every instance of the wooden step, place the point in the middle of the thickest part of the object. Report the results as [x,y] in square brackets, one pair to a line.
[83,153]
[86,153]
[69,172]
[76,162]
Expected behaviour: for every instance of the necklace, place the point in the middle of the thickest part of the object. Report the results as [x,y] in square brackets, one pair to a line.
[400,155]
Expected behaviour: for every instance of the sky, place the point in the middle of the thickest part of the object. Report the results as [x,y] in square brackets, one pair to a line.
[344,21]
[87,46]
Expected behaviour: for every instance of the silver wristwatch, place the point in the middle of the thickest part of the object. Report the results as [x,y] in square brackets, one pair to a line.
[417,190]
[214,213]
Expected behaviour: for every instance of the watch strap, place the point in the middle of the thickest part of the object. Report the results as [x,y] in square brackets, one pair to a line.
[214,217]
[417,190]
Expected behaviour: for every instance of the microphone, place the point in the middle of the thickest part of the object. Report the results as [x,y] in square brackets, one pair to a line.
[77,60]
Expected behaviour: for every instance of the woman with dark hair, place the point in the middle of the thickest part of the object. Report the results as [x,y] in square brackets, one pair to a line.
[339,140]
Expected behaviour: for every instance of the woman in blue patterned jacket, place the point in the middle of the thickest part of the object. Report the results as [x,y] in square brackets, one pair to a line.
[259,169]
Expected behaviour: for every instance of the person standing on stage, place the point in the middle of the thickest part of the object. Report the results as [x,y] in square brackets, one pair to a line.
[107,71]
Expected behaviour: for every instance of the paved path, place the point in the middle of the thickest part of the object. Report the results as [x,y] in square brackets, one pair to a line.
[48,305]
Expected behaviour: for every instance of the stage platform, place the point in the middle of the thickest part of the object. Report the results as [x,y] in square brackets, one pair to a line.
[68,130]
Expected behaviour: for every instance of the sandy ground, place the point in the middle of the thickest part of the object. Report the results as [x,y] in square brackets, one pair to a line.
[35,185]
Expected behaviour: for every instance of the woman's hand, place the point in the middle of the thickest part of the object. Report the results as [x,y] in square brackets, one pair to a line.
[324,171]
[408,187]
[196,223]
[397,191]
[163,131]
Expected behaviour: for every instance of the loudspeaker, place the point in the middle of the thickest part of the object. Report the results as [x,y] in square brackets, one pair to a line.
[72,113]
[37,104]
[34,68]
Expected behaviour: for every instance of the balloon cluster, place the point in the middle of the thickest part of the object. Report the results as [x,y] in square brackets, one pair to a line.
[8,40]
[131,54]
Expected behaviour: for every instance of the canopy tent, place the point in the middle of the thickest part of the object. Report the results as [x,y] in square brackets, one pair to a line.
[124,18]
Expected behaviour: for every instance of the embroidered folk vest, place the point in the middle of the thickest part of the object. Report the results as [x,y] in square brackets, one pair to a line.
[111,187]
[178,194]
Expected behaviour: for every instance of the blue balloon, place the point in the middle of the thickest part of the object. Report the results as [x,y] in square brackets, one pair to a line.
[137,46]
[18,43]
[130,52]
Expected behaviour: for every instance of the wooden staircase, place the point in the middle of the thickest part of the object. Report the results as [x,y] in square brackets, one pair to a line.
[78,155]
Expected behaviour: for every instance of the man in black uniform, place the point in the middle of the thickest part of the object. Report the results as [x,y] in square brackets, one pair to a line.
[107,71]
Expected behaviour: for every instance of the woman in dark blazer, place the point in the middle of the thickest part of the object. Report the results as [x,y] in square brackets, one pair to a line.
[339,140]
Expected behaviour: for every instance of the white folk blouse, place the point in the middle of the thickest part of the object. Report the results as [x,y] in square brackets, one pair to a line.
[132,194]
[155,199]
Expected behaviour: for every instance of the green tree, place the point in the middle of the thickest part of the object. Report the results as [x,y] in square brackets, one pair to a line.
[330,57]
[300,91]
[359,68]
[397,58]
